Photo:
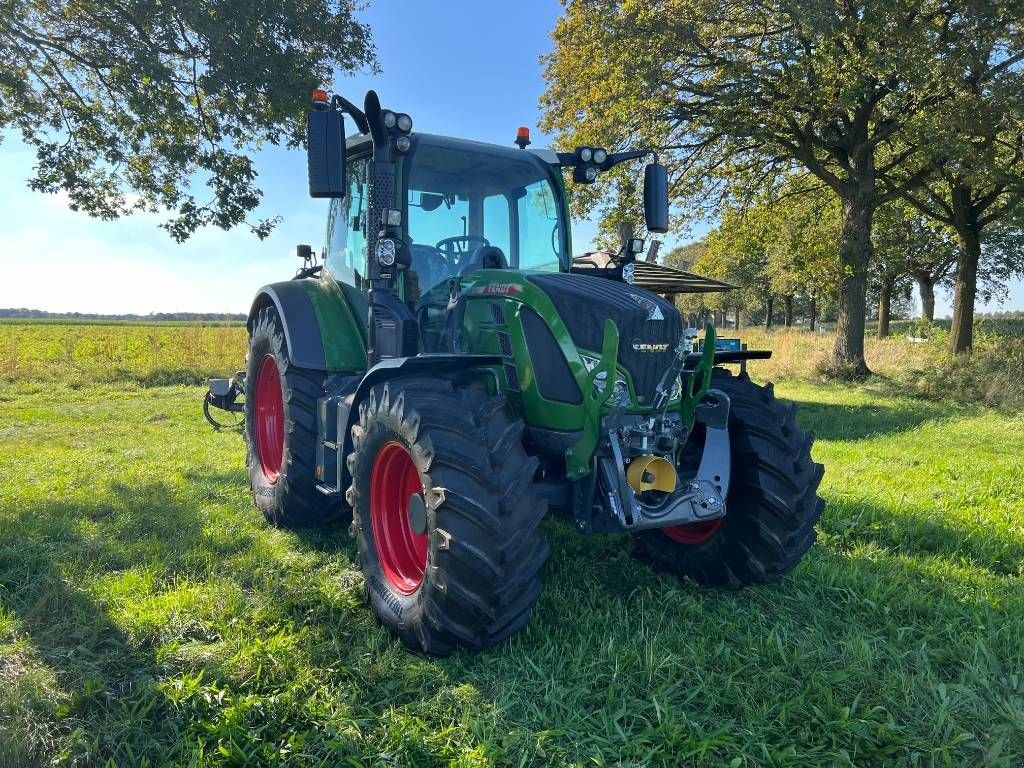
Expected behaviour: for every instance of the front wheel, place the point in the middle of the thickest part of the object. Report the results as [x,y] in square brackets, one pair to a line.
[445,515]
[772,504]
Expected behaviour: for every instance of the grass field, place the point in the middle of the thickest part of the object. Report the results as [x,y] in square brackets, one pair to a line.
[149,617]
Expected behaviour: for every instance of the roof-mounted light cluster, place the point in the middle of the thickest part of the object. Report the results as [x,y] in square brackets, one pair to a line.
[399,125]
[588,161]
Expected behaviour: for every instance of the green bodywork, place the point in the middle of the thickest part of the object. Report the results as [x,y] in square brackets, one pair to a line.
[343,336]
[341,312]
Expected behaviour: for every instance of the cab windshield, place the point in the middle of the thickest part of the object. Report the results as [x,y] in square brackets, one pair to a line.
[463,203]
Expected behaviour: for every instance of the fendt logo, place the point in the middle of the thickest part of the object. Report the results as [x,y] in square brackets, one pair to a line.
[640,346]
[497,289]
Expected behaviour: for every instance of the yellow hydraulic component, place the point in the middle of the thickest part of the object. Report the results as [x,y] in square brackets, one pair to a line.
[651,473]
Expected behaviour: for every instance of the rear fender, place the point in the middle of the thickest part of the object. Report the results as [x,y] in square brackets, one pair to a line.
[320,325]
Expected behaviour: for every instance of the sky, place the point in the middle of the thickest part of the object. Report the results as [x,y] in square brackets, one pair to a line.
[463,68]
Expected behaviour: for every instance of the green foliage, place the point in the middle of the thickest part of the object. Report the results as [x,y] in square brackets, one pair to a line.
[736,95]
[129,104]
[148,616]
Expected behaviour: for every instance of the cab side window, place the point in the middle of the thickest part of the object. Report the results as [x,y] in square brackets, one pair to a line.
[346,227]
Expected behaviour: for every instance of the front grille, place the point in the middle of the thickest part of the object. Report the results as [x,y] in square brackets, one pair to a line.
[505,343]
[511,376]
[584,303]
[497,313]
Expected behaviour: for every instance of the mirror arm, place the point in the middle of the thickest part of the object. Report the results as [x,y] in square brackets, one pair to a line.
[570,160]
[340,102]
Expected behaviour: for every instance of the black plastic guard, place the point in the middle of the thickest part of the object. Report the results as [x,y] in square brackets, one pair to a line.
[301,327]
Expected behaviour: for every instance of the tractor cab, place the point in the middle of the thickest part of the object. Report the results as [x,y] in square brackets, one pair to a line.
[466,206]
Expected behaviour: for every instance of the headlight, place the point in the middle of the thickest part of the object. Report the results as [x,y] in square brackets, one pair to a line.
[404,123]
[585,154]
[620,386]
[386,251]
[600,156]
[402,143]
[590,173]
[390,119]
[629,272]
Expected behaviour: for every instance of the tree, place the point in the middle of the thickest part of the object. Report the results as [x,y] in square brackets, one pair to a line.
[737,253]
[743,92]
[907,245]
[129,104]
[803,246]
[977,152]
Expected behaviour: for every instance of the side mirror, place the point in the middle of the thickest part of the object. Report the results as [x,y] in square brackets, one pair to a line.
[325,149]
[656,197]
[430,202]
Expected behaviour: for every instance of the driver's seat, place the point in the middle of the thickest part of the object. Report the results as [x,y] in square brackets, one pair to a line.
[484,257]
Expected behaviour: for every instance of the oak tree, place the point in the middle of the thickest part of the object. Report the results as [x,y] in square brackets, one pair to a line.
[136,105]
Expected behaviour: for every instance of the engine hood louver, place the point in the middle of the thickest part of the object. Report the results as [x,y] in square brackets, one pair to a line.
[657,278]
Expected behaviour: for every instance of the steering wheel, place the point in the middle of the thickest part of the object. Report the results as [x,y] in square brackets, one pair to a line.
[456,249]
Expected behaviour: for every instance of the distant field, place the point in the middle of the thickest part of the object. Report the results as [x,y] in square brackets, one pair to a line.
[153,354]
[95,352]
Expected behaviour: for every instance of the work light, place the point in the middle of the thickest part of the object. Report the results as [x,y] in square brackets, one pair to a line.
[386,251]
[404,123]
[585,154]
[600,156]
[390,119]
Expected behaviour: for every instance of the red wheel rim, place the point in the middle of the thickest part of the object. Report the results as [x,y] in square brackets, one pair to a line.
[269,415]
[401,551]
[693,533]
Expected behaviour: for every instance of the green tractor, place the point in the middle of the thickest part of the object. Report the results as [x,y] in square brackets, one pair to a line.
[448,373]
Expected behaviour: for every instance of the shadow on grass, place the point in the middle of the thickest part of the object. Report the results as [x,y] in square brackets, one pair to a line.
[110,682]
[831,421]
[58,563]
[914,532]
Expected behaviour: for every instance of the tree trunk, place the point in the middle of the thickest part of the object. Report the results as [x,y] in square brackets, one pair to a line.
[737,318]
[789,311]
[854,258]
[926,289]
[884,302]
[769,307]
[965,288]
[814,312]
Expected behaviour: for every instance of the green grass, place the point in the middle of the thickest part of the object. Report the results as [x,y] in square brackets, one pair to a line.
[149,616]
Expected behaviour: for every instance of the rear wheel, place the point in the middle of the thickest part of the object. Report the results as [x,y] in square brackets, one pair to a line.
[445,515]
[280,430]
[772,504]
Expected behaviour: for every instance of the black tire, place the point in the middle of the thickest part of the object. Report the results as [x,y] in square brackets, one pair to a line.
[289,499]
[772,504]
[484,551]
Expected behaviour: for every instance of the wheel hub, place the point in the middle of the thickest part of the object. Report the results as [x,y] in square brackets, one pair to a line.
[398,517]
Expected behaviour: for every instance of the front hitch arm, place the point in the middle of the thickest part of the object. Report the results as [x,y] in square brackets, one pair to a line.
[577,458]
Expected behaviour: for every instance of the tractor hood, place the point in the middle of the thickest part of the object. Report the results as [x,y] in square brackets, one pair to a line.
[649,326]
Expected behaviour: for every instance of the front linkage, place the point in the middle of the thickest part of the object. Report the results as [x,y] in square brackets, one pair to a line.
[634,483]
